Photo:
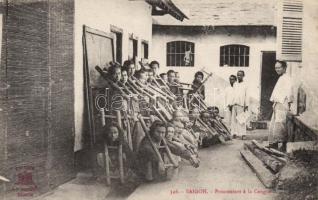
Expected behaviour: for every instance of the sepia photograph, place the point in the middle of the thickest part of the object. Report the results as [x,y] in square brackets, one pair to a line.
[158,99]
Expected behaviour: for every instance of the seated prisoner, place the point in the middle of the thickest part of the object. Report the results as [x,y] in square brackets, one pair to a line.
[179,149]
[113,137]
[172,83]
[197,86]
[142,76]
[217,124]
[183,117]
[154,66]
[129,66]
[119,99]
[151,77]
[164,77]
[150,165]
[145,102]
[133,104]
[184,136]
[197,128]
[212,133]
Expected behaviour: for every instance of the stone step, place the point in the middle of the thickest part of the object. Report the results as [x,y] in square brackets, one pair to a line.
[264,175]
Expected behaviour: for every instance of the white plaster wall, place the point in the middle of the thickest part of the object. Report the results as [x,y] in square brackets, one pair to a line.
[309,70]
[207,51]
[132,16]
[307,74]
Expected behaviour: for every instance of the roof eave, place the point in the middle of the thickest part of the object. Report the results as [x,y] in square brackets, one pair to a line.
[169,7]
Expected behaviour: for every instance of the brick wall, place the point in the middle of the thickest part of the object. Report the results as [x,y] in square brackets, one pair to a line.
[37,65]
[61,51]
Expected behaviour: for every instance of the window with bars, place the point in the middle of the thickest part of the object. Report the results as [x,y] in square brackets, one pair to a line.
[180,54]
[234,55]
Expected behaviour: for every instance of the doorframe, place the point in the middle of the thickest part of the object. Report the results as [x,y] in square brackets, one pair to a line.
[260,80]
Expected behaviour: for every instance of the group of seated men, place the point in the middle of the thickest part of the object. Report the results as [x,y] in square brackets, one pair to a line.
[165,131]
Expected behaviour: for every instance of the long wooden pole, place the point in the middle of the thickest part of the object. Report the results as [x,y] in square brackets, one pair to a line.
[120,150]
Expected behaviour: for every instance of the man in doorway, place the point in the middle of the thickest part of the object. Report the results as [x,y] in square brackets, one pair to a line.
[228,100]
[240,106]
[282,99]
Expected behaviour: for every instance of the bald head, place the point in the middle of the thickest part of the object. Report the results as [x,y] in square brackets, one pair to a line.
[205,116]
[178,115]
[178,126]
[195,113]
[181,116]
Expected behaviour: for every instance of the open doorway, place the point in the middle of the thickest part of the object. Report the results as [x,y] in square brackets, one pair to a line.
[269,78]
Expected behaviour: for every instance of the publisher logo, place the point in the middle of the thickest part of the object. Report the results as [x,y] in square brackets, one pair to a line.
[24,182]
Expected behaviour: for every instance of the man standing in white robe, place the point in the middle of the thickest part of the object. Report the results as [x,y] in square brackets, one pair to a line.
[240,106]
[228,100]
[281,98]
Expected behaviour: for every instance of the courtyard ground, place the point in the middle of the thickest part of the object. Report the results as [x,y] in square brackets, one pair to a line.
[222,174]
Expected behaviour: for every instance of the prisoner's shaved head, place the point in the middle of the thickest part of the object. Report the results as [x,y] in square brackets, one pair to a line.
[178,114]
[178,124]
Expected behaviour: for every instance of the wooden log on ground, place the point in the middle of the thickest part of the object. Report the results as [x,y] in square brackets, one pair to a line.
[271,162]
[307,145]
[264,175]
[283,160]
[282,157]
[268,150]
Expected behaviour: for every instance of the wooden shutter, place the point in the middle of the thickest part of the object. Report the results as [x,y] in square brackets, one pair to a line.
[289,30]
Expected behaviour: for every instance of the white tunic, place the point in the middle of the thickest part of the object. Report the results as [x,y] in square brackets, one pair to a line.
[241,96]
[281,96]
[229,96]
[282,92]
